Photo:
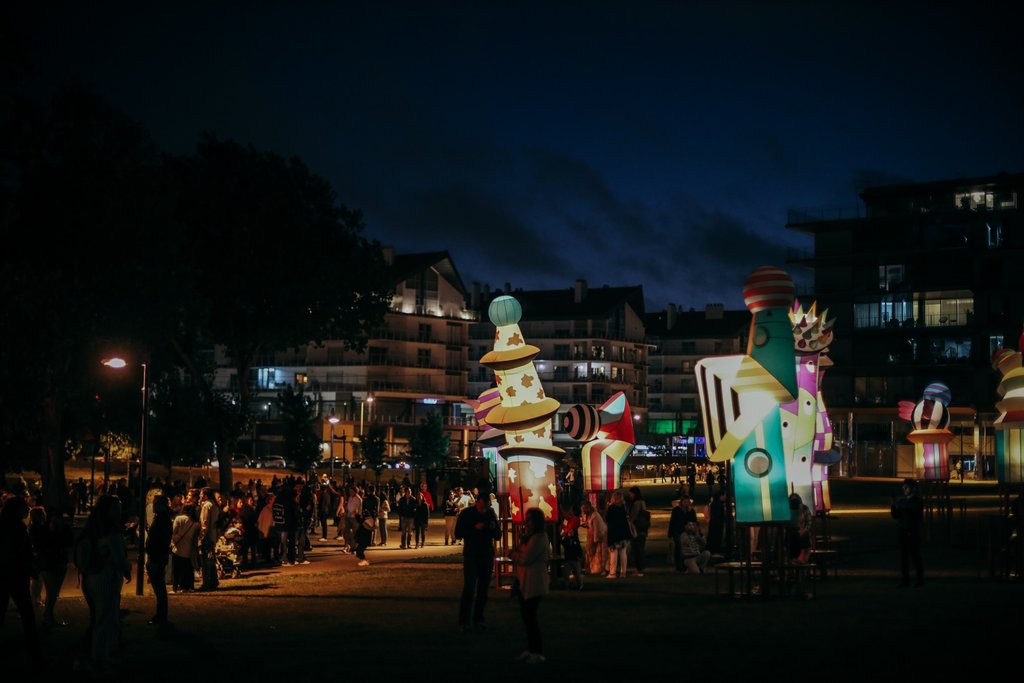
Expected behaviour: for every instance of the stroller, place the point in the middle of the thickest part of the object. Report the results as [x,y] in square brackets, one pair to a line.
[227,552]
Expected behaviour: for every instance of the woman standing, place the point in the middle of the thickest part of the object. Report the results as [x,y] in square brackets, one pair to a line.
[619,535]
[183,545]
[531,562]
[597,537]
[103,534]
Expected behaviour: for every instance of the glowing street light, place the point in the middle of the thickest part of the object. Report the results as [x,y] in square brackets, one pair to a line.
[362,404]
[333,419]
[119,364]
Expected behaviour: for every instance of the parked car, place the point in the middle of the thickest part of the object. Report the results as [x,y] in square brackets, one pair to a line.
[270,462]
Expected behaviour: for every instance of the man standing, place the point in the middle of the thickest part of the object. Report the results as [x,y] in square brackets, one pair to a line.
[478,527]
[406,517]
[353,509]
[451,512]
[208,514]
[158,548]
[908,511]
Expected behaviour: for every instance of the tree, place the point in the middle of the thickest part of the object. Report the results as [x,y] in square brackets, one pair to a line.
[430,445]
[275,262]
[80,202]
[301,443]
[373,446]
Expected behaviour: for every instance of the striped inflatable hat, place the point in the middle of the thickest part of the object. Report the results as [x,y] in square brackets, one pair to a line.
[768,287]
[582,422]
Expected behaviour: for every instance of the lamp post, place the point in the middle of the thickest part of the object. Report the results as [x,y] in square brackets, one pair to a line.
[362,404]
[118,364]
[333,419]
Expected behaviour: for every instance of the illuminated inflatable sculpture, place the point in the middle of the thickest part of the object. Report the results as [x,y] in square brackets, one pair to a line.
[930,436]
[609,437]
[741,399]
[812,334]
[524,415]
[1009,426]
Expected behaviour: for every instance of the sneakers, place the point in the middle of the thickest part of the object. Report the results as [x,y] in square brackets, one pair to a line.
[610,576]
[304,562]
[523,656]
[323,538]
[534,659]
[364,563]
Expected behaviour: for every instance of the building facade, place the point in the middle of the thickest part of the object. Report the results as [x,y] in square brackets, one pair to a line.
[679,340]
[924,283]
[413,365]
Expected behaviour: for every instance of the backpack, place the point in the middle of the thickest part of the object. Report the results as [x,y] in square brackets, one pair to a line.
[643,520]
[87,556]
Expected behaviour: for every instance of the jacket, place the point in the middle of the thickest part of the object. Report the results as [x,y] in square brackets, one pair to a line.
[532,566]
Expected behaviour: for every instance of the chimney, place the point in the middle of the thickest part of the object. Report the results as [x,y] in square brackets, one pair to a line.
[474,297]
[714,312]
[580,291]
[389,255]
[670,317]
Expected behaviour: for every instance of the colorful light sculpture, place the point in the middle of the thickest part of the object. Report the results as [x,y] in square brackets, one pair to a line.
[930,436]
[524,414]
[741,398]
[608,431]
[1009,426]
[812,334]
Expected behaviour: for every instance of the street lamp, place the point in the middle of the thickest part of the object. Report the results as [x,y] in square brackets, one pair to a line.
[119,364]
[362,404]
[333,419]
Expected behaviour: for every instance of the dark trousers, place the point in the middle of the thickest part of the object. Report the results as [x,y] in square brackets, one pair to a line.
[910,551]
[158,580]
[16,590]
[639,546]
[209,564]
[528,608]
[476,576]
[183,577]
[323,526]
[292,535]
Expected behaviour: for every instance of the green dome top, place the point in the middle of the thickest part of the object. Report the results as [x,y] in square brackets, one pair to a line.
[505,310]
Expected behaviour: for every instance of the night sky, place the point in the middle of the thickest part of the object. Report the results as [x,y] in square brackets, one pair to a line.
[647,143]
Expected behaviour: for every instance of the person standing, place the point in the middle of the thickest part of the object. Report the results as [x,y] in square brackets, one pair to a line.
[406,516]
[908,511]
[183,544]
[16,569]
[478,528]
[451,512]
[618,536]
[640,519]
[158,546]
[531,563]
[716,523]
[107,570]
[208,514]
[597,536]
[421,519]
[383,508]
[371,508]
